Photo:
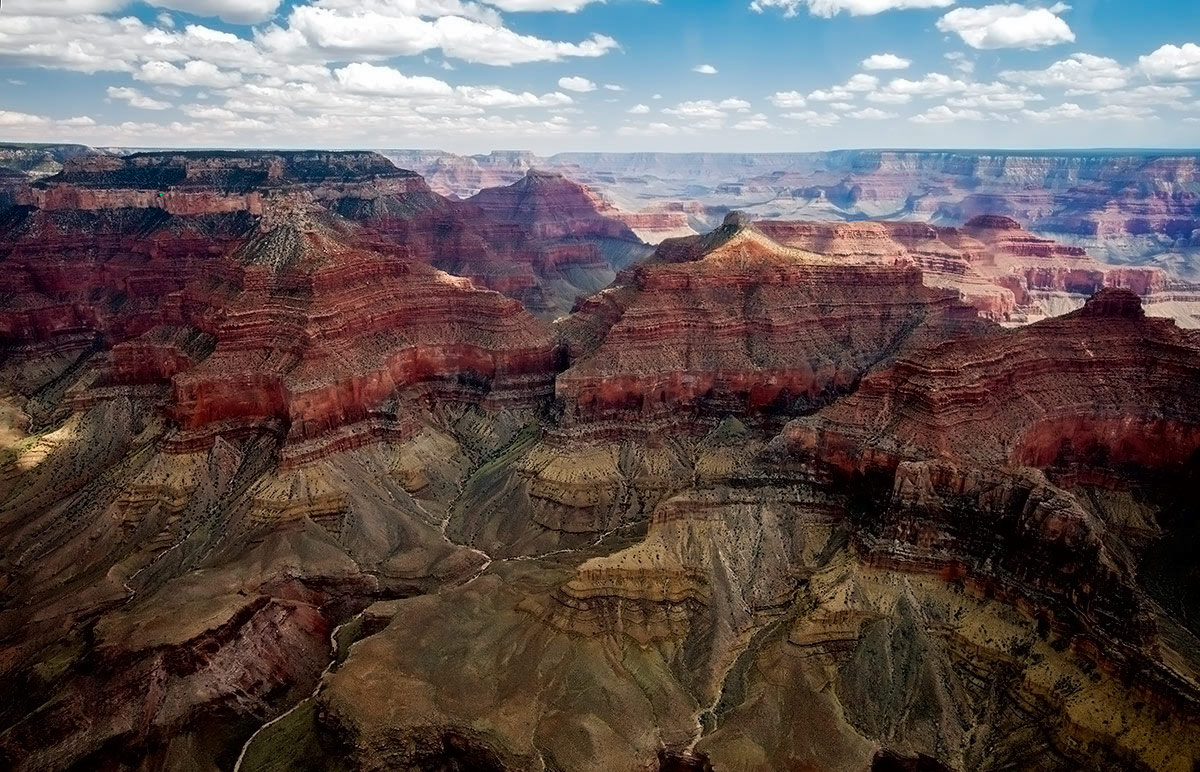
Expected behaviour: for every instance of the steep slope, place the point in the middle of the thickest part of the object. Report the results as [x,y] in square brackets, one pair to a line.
[735,322]
[277,493]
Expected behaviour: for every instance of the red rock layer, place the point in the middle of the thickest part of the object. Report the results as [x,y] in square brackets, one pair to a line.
[274,315]
[994,263]
[515,240]
[734,322]
[1104,385]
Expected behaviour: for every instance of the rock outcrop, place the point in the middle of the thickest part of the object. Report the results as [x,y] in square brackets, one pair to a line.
[285,483]
[735,322]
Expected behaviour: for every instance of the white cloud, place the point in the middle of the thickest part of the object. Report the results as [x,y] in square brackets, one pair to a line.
[10,119]
[705,69]
[577,84]
[365,78]
[193,73]
[649,130]
[1077,74]
[813,118]
[995,96]
[1171,62]
[707,108]
[234,11]
[339,30]
[960,62]
[944,114]
[492,97]
[61,7]
[886,62]
[788,100]
[871,114]
[830,8]
[889,98]
[1175,97]
[639,110]
[861,82]
[935,84]
[1009,25]
[569,6]
[756,122]
[613,87]
[1070,111]
[136,98]
[846,92]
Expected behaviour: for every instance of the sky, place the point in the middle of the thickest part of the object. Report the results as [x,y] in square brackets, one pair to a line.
[472,76]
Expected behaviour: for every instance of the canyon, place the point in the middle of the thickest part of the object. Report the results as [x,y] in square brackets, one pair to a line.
[1126,207]
[309,461]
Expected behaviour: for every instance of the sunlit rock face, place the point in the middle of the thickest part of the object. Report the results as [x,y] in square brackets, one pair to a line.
[293,476]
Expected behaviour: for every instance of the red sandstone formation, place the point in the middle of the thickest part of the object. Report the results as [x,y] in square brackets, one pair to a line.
[523,240]
[1006,272]
[737,322]
[1102,386]
[223,277]
[238,405]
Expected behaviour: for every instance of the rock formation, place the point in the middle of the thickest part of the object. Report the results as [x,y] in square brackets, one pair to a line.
[285,483]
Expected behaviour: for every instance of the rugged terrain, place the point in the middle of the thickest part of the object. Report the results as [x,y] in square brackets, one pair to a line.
[308,467]
[1125,207]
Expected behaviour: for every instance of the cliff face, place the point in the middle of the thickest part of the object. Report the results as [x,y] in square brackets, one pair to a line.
[736,322]
[283,484]
[1133,207]
[226,280]
[1007,273]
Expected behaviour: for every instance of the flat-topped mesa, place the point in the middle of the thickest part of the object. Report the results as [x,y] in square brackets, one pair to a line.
[190,183]
[734,323]
[1096,388]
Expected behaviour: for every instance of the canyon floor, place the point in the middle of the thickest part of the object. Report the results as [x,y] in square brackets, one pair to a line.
[306,465]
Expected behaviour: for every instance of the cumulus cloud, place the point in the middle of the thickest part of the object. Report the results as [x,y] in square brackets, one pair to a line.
[649,130]
[1009,25]
[366,78]
[639,110]
[871,114]
[569,6]
[1077,74]
[830,8]
[813,118]
[61,7]
[995,96]
[961,62]
[384,31]
[705,69]
[1177,97]
[944,114]
[846,92]
[136,98]
[576,83]
[756,122]
[935,84]
[1069,111]
[233,11]
[787,100]
[885,62]
[193,73]
[1171,62]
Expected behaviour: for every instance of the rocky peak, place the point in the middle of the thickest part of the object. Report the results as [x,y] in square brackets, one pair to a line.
[1114,302]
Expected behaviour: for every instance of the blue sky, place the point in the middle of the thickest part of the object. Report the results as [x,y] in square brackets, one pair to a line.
[624,75]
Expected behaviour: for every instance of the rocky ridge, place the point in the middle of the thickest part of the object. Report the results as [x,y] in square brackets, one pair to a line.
[276,492]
